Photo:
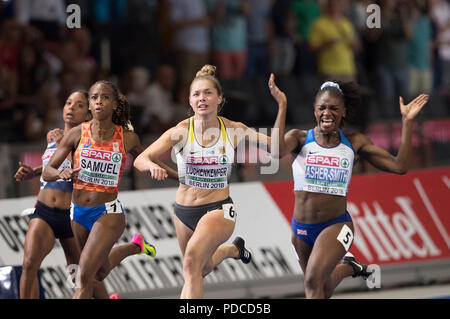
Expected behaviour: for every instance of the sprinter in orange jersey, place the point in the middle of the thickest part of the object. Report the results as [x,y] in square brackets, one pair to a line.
[100,147]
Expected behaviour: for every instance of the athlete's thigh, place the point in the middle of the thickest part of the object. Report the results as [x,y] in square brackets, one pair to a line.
[71,250]
[329,248]
[39,240]
[104,233]
[81,234]
[184,233]
[212,230]
[303,250]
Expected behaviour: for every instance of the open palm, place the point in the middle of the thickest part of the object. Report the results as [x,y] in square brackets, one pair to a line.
[410,110]
[277,94]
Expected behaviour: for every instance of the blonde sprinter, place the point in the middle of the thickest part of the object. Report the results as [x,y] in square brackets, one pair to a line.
[205,214]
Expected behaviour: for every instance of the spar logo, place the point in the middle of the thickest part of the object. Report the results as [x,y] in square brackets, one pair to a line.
[116,157]
[100,155]
[202,160]
[223,159]
[330,161]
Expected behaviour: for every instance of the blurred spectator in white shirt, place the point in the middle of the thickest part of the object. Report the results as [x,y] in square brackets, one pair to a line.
[47,15]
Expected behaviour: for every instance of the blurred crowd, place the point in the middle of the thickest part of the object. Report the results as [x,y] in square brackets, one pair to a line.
[152,49]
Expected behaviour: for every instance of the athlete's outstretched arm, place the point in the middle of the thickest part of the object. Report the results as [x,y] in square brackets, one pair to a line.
[286,142]
[382,159]
[148,159]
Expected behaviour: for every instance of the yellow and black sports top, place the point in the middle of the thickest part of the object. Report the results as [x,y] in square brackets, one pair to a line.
[206,167]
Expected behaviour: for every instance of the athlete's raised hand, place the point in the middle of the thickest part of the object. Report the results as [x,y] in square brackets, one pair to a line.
[410,111]
[277,94]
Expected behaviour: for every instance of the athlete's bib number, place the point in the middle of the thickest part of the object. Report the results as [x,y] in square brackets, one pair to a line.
[114,207]
[229,212]
[345,237]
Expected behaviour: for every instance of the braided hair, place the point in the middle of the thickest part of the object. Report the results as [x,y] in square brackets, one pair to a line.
[121,114]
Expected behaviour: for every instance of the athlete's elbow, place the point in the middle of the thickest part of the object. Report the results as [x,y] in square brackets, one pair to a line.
[141,163]
[283,152]
[46,175]
[138,163]
[277,152]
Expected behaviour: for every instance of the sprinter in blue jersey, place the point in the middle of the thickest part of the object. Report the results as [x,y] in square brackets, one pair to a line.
[322,167]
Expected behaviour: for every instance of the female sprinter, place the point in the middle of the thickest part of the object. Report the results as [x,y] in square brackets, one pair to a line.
[322,227]
[99,147]
[205,146]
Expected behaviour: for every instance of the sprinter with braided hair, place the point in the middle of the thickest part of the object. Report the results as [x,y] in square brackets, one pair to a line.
[99,147]
[121,113]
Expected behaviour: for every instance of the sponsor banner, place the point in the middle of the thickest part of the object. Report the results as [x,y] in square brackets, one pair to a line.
[397,218]
[150,213]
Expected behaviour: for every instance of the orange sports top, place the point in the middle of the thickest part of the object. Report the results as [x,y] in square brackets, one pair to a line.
[101,164]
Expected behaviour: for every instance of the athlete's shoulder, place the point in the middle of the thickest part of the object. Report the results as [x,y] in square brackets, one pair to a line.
[180,129]
[184,124]
[72,137]
[233,124]
[358,140]
[176,133]
[132,143]
[75,131]
[130,135]
[298,134]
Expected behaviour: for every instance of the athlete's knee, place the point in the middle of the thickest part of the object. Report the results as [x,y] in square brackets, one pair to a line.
[314,282]
[192,264]
[101,274]
[30,264]
[86,275]
[207,268]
